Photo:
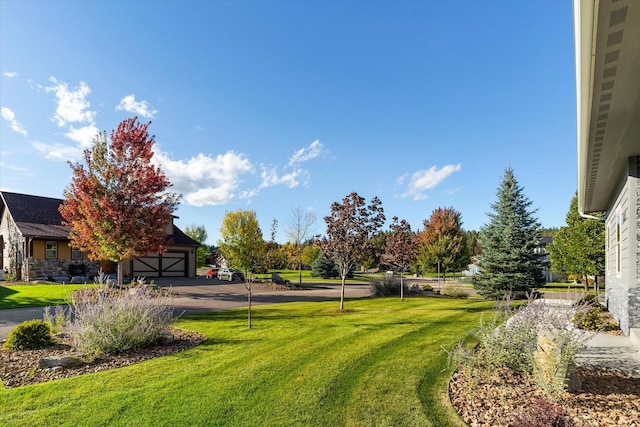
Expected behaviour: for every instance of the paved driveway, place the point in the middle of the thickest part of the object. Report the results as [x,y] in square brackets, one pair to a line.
[201,295]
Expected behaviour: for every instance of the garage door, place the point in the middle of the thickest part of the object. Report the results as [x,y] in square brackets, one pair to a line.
[168,264]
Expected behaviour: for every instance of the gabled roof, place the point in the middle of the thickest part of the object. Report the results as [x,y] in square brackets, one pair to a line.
[179,238]
[35,216]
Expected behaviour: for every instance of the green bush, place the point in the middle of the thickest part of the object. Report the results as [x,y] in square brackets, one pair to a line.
[453,291]
[592,316]
[427,288]
[386,286]
[57,319]
[30,335]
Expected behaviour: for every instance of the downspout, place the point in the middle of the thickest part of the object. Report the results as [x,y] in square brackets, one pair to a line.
[598,218]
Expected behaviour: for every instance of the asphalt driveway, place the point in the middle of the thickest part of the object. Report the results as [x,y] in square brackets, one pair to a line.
[201,295]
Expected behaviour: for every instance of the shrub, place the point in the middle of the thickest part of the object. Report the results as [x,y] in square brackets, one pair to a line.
[324,267]
[118,321]
[386,286]
[427,288]
[57,320]
[543,413]
[592,316]
[30,335]
[513,343]
[453,291]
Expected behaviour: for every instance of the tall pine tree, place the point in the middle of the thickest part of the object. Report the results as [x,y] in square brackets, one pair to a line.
[509,262]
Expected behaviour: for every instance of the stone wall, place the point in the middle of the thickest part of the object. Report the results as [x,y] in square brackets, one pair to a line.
[59,268]
[617,302]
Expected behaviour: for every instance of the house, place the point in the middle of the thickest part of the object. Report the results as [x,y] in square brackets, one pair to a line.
[35,245]
[607,36]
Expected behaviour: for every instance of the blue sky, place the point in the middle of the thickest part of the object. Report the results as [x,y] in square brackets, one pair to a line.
[272,105]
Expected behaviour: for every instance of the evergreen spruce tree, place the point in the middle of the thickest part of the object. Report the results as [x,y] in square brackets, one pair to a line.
[509,262]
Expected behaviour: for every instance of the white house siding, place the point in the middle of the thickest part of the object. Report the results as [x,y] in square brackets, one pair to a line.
[623,286]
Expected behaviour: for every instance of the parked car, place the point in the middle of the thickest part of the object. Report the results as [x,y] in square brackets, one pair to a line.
[225,274]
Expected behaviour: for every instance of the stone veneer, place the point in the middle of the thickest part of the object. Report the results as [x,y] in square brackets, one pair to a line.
[624,303]
[50,268]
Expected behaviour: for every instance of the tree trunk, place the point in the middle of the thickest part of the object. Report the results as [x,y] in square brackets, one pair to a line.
[596,289]
[119,274]
[249,311]
[401,288]
[586,282]
[342,293]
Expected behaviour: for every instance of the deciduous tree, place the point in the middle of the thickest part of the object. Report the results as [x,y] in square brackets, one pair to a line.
[310,253]
[401,247]
[300,229]
[242,245]
[579,247]
[443,243]
[199,234]
[118,205]
[350,228]
[509,260]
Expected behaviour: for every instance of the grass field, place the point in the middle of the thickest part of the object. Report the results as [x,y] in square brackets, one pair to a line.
[381,363]
[20,296]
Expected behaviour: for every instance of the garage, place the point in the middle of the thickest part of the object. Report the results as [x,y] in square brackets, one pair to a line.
[171,263]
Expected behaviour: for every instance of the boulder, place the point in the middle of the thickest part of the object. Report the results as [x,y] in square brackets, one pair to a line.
[70,360]
[165,338]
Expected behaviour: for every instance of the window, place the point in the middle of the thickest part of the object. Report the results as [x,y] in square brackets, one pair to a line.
[76,254]
[51,250]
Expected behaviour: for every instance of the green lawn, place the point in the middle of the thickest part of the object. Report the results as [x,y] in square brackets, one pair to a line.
[20,296]
[381,363]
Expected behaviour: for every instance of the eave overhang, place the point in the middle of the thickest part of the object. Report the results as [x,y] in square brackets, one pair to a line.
[607,48]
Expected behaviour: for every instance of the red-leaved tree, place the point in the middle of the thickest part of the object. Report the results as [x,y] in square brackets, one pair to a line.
[401,247]
[443,242]
[117,205]
[350,228]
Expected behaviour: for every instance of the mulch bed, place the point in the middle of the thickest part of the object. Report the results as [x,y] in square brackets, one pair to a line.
[18,368]
[606,398]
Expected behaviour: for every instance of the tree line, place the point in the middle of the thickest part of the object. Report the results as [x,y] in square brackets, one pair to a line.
[119,203]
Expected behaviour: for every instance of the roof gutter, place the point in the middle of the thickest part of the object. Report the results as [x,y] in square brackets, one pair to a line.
[585,26]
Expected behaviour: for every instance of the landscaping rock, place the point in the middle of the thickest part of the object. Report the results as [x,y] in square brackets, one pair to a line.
[70,360]
[548,363]
[165,338]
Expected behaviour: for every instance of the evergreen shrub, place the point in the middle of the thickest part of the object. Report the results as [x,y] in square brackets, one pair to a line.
[385,287]
[30,335]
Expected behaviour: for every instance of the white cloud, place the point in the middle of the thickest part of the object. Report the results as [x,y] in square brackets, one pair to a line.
[10,74]
[270,177]
[16,126]
[58,151]
[423,180]
[141,108]
[306,153]
[205,180]
[84,135]
[72,104]
[23,170]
